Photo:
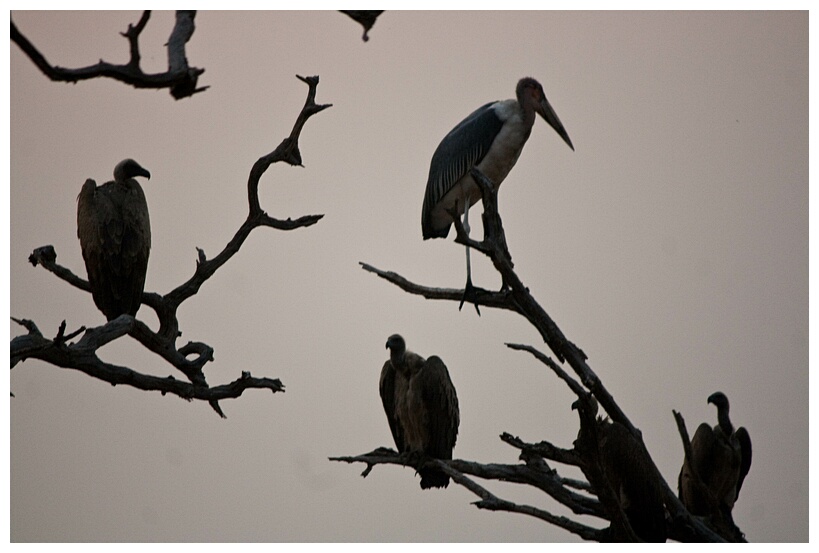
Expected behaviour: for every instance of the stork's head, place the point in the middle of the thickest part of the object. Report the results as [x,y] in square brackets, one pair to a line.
[396,344]
[128,168]
[719,399]
[531,98]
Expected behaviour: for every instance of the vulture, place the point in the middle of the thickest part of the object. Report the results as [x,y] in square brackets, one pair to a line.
[115,237]
[710,480]
[421,406]
[626,467]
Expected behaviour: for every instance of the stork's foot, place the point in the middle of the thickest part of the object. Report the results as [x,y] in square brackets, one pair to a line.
[470,295]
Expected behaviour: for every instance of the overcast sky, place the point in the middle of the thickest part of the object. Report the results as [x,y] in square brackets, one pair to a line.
[671,246]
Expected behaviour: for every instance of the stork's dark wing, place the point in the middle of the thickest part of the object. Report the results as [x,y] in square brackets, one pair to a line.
[459,151]
[386,387]
[441,403]
[745,446]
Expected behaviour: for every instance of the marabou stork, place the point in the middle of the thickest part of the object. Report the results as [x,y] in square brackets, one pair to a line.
[115,237]
[421,407]
[491,139]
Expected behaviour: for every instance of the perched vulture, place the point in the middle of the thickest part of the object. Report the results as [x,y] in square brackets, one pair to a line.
[626,468]
[115,237]
[421,406]
[721,457]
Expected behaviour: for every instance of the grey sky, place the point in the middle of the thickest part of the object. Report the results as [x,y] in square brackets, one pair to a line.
[672,247]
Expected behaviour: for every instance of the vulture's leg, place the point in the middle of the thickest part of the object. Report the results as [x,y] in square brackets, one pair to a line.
[411,458]
[470,294]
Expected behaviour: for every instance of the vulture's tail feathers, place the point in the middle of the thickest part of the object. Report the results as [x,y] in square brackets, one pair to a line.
[433,478]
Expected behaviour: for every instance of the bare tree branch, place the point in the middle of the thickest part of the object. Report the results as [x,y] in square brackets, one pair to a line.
[493,503]
[537,474]
[534,470]
[546,450]
[180,79]
[82,356]
[499,300]
[576,387]
[191,358]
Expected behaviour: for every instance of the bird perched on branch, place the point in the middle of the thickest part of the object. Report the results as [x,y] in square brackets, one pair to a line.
[624,465]
[710,481]
[491,139]
[421,406]
[115,236]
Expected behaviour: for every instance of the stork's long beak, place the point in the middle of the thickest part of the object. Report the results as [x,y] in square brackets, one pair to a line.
[545,110]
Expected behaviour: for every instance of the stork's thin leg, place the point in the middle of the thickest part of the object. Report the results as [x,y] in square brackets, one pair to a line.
[469,290]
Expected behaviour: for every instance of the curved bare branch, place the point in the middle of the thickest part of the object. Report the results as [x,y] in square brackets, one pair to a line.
[531,473]
[515,296]
[191,358]
[180,79]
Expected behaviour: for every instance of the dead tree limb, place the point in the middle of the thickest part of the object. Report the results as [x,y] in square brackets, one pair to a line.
[180,78]
[82,356]
[538,475]
[192,357]
[603,500]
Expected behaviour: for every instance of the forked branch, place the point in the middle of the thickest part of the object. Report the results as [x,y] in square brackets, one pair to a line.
[598,497]
[191,358]
[180,78]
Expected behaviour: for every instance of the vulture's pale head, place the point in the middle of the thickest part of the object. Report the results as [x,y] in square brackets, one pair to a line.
[128,169]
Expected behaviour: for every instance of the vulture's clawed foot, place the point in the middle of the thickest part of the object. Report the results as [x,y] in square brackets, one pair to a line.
[470,295]
[385,452]
[420,460]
